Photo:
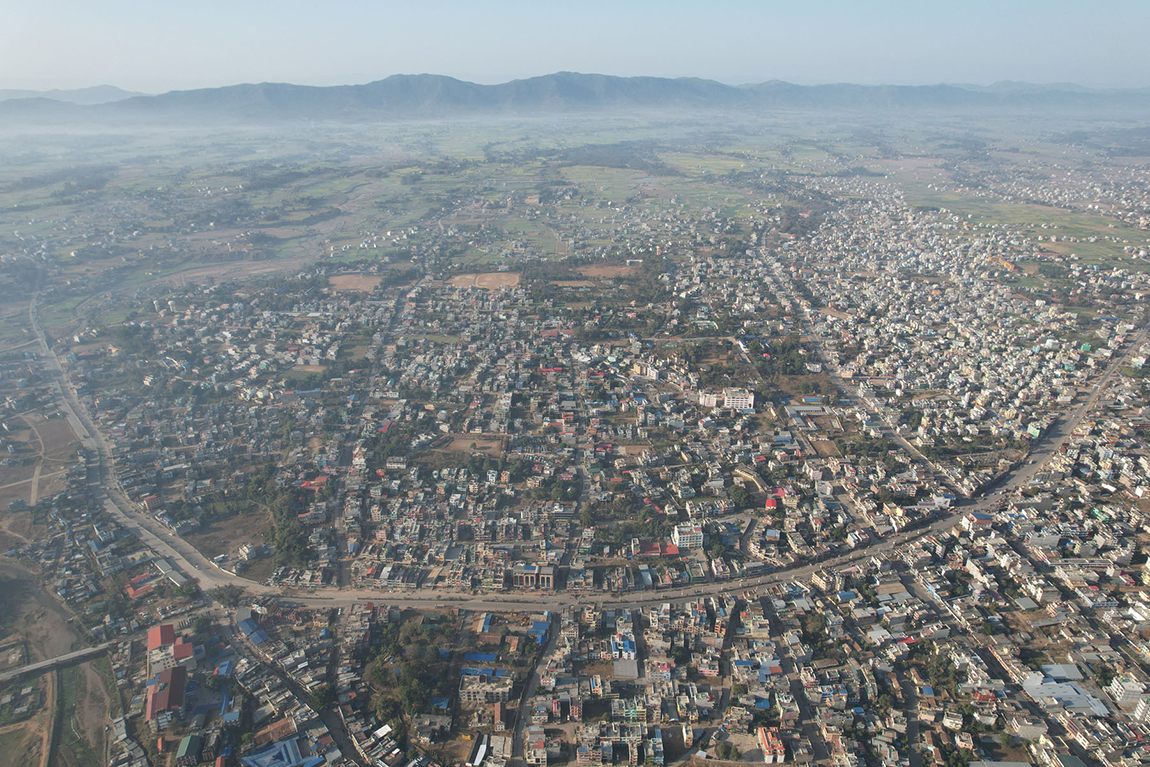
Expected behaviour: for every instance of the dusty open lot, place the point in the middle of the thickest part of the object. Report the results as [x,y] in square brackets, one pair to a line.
[45,449]
[469,443]
[16,529]
[362,283]
[608,272]
[488,280]
[226,536]
[825,448]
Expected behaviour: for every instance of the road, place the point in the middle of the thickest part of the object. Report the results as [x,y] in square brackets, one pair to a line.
[517,742]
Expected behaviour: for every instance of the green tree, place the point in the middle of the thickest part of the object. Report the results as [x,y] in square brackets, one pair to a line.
[202,624]
[323,697]
[739,496]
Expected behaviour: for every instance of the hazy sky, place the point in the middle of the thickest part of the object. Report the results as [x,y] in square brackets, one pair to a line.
[164,44]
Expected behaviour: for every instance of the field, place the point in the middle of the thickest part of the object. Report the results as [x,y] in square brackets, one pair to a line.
[84,706]
[46,447]
[825,448]
[227,535]
[486,280]
[471,443]
[608,272]
[357,283]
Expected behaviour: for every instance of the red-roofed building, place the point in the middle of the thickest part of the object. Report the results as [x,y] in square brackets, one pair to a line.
[134,592]
[166,698]
[774,751]
[161,635]
[182,650]
[166,650]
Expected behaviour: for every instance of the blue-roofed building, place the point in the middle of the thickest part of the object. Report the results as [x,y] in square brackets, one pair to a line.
[252,631]
[285,753]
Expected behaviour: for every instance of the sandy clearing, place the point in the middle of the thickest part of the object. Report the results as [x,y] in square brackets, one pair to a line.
[486,280]
[362,283]
[609,272]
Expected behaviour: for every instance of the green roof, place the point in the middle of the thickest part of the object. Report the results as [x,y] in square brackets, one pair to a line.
[189,745]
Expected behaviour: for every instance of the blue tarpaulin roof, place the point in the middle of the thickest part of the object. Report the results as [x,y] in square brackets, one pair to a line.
[473,671]
[480,657]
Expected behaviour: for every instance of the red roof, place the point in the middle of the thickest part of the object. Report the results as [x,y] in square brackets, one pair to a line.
[136,593]
[161,635]
[182,649]
[168,693]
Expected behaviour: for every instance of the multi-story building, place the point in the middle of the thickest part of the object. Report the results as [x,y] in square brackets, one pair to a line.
[688,536]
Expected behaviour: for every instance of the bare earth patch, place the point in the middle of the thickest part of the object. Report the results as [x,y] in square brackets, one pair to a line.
[363,283]
[609,272]
[227,535]
[486,280]
[825,448]
[469,443]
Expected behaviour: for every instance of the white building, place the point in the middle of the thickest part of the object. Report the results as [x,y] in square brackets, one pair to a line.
[688,536]
[1126,691]
[738,399]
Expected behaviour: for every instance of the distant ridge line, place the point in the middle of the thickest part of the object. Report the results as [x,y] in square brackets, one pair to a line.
[433,96]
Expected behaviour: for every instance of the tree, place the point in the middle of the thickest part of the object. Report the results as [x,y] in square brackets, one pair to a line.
[323,697]
[202,624]
[228,596]
[739,496]
[727,752]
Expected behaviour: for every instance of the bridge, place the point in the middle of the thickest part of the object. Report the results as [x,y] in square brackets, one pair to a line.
[60,661]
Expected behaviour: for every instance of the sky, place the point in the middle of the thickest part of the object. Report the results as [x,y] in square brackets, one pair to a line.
[163,45]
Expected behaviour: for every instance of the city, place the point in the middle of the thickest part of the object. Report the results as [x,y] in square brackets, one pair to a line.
[425,450]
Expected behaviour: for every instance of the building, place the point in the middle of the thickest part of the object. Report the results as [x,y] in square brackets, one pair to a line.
[166,650]
[738,399]
[165,698]
[774,751]
[188,754]
[1126,691]
[533,577]
[688,536]
[482,689]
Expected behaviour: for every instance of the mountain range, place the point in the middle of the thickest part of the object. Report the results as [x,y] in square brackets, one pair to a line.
[99,94]
[433,96]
